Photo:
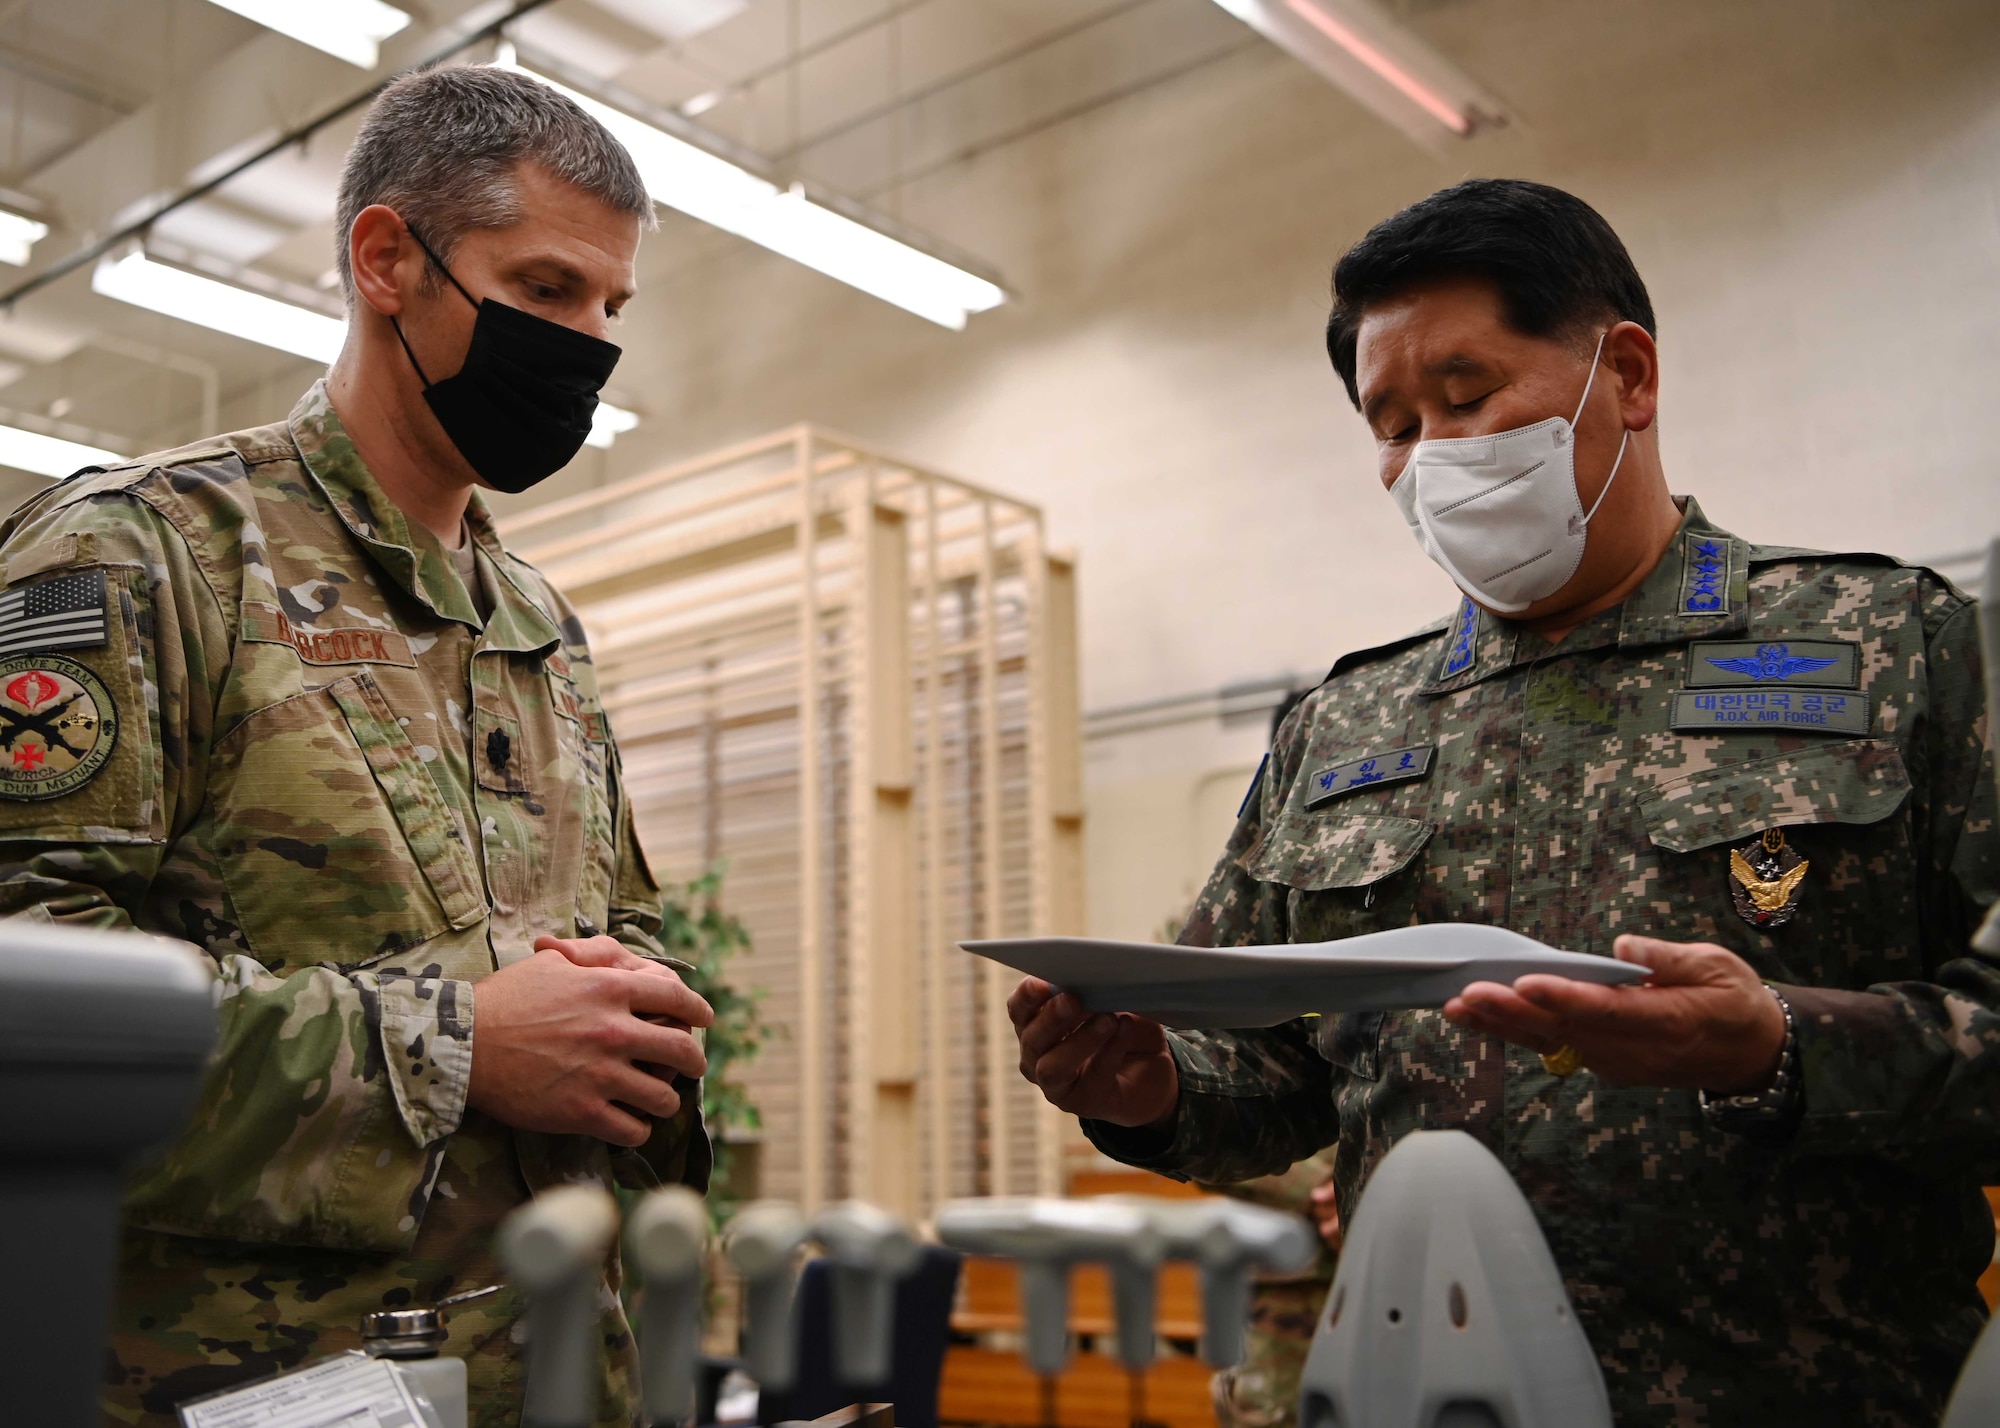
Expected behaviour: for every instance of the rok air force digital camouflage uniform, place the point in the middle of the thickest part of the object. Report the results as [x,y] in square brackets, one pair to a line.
[274,724]
[1597,786]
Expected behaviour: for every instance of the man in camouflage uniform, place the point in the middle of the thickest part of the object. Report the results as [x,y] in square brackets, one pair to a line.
[283,695]
[1761,771]
[1261,1390]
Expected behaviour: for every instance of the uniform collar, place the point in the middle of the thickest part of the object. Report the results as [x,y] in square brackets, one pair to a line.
[415,560]
[1699,590]
[518,621]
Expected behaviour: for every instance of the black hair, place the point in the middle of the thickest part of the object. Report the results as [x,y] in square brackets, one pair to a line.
[1555,261]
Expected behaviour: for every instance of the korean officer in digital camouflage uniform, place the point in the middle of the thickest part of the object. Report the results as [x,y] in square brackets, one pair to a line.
[1761,771]
[283,695]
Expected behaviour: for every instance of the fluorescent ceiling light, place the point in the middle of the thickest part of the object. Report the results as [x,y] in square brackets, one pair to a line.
[346,29]
[1362,49]
[706,186]
[137,279]
[18,236]
[675,19]
[160,287]
[607,424]
[49,455]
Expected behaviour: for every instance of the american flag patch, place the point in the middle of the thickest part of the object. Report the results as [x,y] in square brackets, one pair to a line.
[64,613]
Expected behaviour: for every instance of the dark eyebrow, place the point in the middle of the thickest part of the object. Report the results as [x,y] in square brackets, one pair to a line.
[1457,364]
[572,275]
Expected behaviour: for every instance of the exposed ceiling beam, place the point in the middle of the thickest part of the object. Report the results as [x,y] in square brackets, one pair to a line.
[217,142]
[939,86]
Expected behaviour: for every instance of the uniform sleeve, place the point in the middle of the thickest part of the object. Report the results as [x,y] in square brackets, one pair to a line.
[678,1151]
[1911,1070]
[1290,1189]
[1252,1102]
[324,1110]
[635,917]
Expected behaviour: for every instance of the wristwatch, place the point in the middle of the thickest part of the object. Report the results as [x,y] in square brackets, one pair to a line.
[1777,1103]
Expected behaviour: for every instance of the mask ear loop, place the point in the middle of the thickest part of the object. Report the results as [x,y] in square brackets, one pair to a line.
[393,323]
[1624,437]
[439,265]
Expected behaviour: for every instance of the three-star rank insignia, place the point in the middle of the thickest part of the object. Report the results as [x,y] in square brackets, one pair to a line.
[58,726]
[1764,879]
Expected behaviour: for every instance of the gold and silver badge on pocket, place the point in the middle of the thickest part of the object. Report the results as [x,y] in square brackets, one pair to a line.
[1765,879]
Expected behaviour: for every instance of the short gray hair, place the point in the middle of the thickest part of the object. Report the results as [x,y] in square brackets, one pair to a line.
[440,147]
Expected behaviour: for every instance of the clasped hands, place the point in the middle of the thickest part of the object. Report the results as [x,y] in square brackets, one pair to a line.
[584,1037]
[1704,1021]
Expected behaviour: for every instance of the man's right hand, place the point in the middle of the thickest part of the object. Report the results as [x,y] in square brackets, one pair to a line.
[559,1047]
[1103,1066]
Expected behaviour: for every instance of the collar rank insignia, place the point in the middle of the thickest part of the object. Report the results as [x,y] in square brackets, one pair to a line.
[1764,879]
[1396,766]
[1705,575]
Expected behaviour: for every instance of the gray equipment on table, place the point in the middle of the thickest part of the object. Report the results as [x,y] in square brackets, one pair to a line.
[1048,1237]
[414,1340]
[1230,1241]
[667,1235]
[103,1039]
[554,1249]
[762,1242]
[1447,1307]
[1975,1402]
[869,1249]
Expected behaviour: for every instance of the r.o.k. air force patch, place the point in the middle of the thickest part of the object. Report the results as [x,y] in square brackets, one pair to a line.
[58,726]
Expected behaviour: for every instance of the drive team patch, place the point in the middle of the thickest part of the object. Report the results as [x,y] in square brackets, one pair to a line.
[58,726]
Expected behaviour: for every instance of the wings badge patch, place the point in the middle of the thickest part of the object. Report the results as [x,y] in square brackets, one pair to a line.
[1765,878]
[1828,664]
[58,726]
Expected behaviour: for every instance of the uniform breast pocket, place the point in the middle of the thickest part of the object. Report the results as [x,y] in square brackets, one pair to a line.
[532,746]
[331,835]
[1344,875]
[1796,859]
[598,854]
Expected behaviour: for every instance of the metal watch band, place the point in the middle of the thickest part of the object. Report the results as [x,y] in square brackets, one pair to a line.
[1776,1100]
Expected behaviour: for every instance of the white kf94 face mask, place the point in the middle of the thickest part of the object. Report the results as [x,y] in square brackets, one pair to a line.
[1501,513]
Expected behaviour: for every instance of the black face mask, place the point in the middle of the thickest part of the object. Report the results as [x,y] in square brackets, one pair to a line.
[520,406]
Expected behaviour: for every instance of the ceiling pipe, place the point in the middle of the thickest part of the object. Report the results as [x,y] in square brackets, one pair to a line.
[90,252]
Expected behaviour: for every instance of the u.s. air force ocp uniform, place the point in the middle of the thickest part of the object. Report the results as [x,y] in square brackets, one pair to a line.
[1668,768]
[245,703]
[1261,1390]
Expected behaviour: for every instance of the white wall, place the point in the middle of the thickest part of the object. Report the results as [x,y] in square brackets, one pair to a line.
[1809,188]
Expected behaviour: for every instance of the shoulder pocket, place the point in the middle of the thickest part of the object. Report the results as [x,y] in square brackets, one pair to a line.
[1853,781]
[1320,852]
[80,747]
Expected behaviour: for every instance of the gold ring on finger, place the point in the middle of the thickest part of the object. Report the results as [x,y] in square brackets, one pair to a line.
[1563,1061]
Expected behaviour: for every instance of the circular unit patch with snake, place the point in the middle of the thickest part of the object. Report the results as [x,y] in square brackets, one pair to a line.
[57,726]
